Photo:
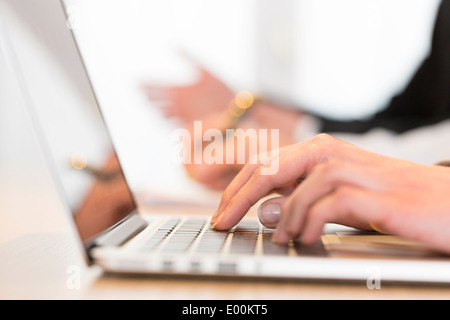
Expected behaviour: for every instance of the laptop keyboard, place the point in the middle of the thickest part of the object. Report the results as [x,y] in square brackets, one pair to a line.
[195,235]
[183,237]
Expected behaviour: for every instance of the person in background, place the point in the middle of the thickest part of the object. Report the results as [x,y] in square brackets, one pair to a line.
[423,105]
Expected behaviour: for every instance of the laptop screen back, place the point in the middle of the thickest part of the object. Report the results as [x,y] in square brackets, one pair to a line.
[58,93]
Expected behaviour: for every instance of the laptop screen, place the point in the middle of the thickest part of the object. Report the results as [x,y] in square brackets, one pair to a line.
[58,93]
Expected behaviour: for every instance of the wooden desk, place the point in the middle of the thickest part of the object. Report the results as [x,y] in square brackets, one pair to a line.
[38,258]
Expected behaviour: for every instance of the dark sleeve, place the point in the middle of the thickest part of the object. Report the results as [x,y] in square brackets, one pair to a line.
[425,100]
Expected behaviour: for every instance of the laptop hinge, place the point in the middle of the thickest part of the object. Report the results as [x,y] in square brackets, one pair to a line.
[121,232]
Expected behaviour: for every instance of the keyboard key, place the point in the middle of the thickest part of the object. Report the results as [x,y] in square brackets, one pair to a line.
[184,236]
[247,226]
[212,241]
[317,249]
[169,224]
[245,236]
[160,234]
[271,248]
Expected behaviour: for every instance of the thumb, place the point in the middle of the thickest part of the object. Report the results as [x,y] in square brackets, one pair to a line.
[269,212]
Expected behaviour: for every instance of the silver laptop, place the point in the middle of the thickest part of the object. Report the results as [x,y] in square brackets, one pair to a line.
[113,233]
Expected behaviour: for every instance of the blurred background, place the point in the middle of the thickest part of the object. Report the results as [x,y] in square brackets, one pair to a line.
[343,59]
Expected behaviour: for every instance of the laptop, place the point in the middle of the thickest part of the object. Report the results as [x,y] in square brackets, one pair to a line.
[114,234]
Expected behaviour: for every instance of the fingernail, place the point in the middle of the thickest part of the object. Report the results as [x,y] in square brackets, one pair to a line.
[215,218]
[269,214]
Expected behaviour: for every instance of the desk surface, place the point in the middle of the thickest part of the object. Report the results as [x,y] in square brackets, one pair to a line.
[38,259]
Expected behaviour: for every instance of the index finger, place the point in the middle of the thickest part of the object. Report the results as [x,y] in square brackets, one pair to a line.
[251,185]
[239,180]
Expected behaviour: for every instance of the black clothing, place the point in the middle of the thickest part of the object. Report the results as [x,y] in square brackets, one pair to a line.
[426,99]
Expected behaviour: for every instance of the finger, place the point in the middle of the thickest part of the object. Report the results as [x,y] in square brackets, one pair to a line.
[287,189]
[348,205]
[324,179]
[242,178]
[269,212]
[256,185]
[294,162]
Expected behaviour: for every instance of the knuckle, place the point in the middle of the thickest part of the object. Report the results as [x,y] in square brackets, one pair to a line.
[330,169]
[257,173]
[262,180]
[334,167]
[343,195]
[323,138]
[322,145]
